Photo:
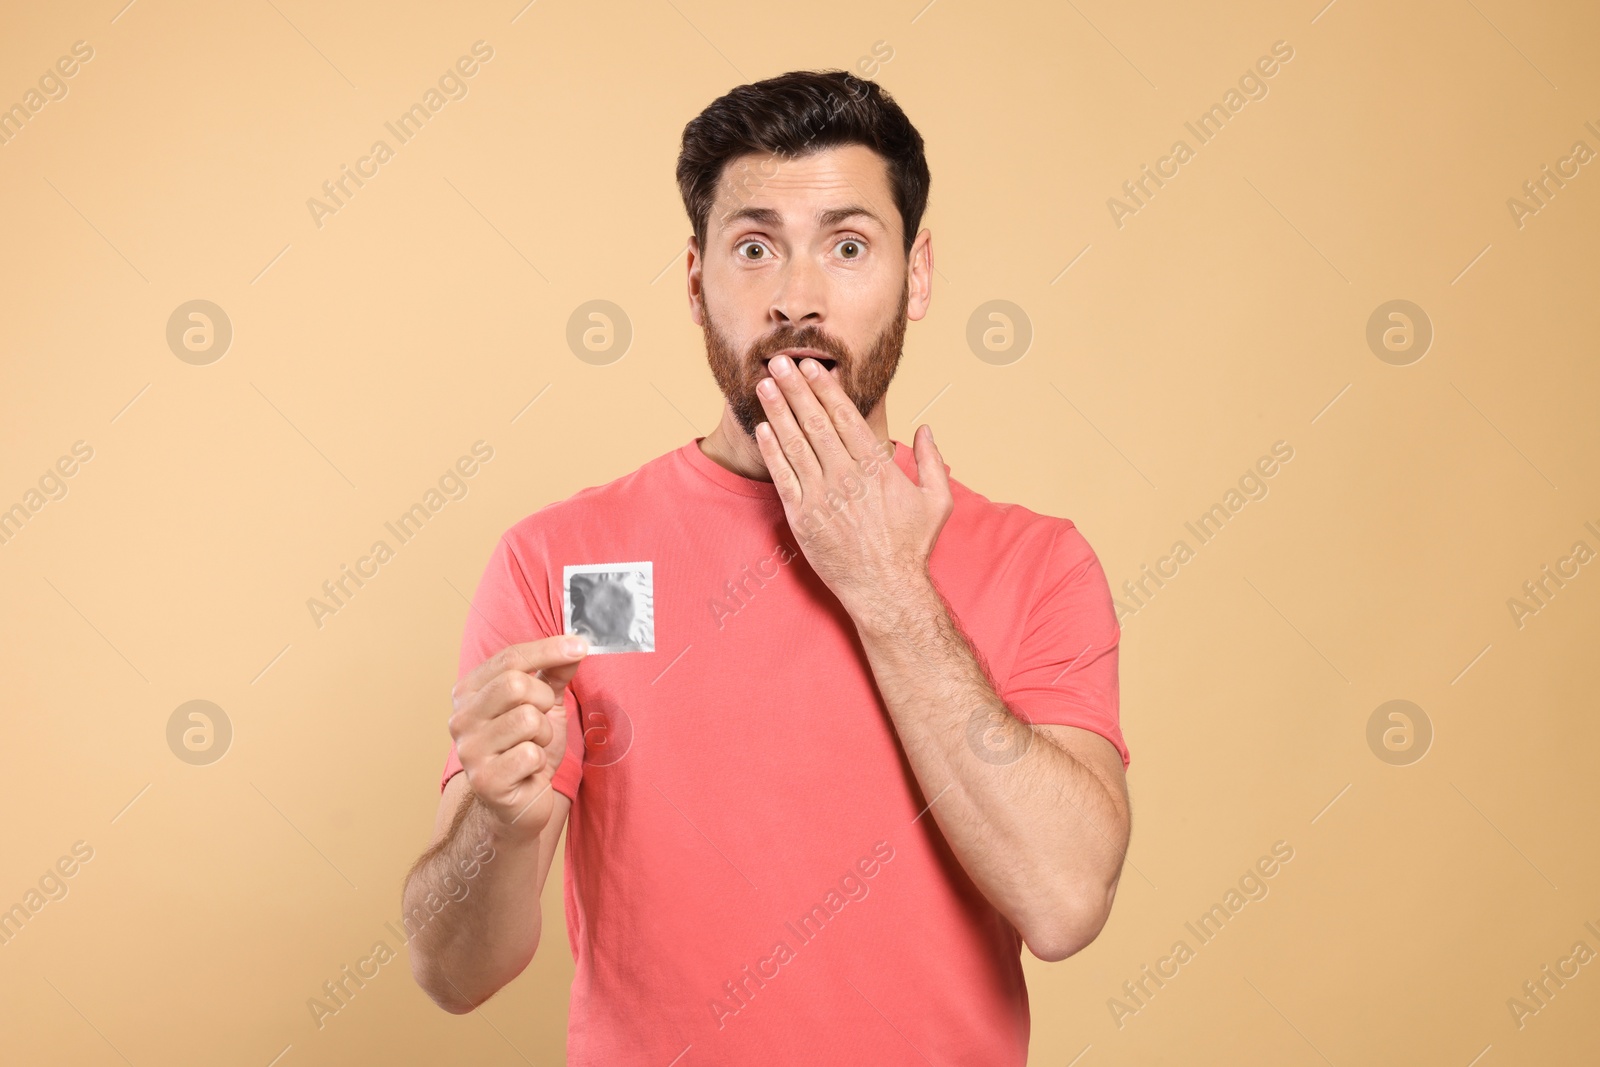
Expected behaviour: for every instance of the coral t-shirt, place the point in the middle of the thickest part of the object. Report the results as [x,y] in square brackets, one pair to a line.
[750,874]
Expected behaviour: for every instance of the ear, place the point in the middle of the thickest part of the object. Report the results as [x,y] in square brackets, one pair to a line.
[697,300]
[919,276]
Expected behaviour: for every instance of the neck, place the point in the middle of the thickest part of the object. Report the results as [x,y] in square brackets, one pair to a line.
[730,447]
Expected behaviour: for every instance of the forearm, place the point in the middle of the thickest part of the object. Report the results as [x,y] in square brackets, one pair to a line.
[1039,833]
[466,943]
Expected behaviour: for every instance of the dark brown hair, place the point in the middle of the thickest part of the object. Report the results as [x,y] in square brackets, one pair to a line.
[793,115]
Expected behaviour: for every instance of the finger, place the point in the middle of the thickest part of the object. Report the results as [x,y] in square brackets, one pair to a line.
[528,656]
[560,676]
[504,693]
[808,413]
[930,463]
[784,478]
[508,691]
[517,765]
[776,399]
[852,430]
[525,722]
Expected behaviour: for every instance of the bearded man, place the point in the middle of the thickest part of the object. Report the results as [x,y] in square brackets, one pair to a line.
[874,749]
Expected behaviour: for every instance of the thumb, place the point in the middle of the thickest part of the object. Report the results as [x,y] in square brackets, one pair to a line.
[559,675]
[931,472]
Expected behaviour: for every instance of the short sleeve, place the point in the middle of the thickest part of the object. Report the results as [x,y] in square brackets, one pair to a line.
[506,611]
[1065,672]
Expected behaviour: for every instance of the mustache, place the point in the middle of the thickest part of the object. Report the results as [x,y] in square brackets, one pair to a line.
[778,342]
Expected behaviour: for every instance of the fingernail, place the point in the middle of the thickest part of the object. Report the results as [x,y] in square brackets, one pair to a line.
[767,387]
[810,367]
[780,365]
[577,647]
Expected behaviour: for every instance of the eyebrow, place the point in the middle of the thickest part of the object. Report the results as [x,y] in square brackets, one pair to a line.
[768,217]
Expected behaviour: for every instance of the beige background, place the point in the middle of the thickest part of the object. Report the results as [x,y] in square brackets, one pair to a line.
[368,354]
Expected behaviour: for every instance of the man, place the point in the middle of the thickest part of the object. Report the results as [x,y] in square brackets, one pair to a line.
[876,747]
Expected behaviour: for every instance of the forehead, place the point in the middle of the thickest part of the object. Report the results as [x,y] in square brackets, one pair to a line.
[798,188]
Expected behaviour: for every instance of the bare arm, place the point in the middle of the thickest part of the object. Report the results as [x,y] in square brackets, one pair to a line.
[1042,837]
[471,901]
[1042,834]
[486,888]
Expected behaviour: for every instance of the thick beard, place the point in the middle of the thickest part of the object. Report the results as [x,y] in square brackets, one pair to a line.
[865,380]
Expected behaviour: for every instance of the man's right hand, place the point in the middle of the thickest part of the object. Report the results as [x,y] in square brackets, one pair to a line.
[510,730]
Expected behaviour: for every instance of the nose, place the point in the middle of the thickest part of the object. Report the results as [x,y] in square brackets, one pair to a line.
[800,300]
